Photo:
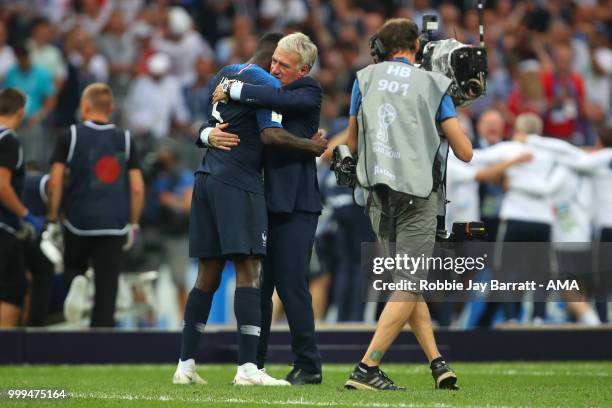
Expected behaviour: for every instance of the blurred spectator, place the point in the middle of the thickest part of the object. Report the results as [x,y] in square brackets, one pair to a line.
[119,48]
[528,93]
[349,52]
[173,189]
[353,228]
[560,33]
[36,82]
[44,53]
[93,15]
[490,131]
[276,14]
[130,8]
[227,47]
[214,18]
[197,94]
[7,56]
[450,17]
[143,36]
[421,7]
[76,81]
[564,92]
[371,23]
[82,53]
[182,44]
[89,60]
[598,82]
[153,102]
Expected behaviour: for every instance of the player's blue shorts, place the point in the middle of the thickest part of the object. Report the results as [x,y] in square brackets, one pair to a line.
[226,220]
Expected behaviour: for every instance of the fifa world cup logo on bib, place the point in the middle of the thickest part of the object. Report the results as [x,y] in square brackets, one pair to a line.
[386,115]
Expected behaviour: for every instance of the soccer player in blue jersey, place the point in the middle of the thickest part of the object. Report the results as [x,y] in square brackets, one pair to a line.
[228,216]
[292,198]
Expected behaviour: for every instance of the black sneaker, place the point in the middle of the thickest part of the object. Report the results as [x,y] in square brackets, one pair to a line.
[375,380]
[297,376]
[444,377]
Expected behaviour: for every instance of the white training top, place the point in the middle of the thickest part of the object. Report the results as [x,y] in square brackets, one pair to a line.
[602,181]
[531,184]
[461,191]
[594,194]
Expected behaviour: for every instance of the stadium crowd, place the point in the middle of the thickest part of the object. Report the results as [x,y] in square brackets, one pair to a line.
[551,58]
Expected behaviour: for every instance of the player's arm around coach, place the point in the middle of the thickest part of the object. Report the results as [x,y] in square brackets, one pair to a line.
[216,137]
[292,197]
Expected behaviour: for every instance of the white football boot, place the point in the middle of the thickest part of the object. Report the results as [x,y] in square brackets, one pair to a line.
[75,304]
[186,374]
[271,380]
[248,374]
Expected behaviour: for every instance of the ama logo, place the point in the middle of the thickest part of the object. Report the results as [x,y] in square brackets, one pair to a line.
[107,169]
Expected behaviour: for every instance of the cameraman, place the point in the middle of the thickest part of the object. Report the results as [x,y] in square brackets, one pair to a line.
[397,111]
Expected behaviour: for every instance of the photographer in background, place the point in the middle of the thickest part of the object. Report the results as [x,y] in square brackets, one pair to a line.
[395,116]
[172,188]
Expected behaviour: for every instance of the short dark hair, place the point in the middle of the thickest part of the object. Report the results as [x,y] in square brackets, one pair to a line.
[398,34]
[11,100]
[344,45]
[21,51]
[38,21]
[267,45]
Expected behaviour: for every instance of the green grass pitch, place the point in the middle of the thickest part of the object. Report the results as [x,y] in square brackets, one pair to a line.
[559,384]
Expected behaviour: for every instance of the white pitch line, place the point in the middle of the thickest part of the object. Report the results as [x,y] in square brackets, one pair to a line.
[471,371]
[290,402]
[537,373]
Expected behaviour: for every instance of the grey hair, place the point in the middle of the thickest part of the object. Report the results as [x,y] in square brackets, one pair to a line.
[528,123]
[300,43]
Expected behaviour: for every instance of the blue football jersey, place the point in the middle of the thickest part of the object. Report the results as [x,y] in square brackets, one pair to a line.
[242,166]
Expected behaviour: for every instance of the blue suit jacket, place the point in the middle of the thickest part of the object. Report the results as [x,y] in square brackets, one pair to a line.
[290,177]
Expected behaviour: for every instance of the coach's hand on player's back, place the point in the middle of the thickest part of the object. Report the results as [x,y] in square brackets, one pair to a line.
[221,140]
[319,141]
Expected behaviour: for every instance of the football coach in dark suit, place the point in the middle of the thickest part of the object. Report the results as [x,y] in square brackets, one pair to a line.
[293,200]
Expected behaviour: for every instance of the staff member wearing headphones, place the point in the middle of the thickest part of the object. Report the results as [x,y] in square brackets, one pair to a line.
[397,111]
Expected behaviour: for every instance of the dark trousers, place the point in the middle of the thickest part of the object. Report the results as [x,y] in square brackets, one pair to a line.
[42,271]
[523,231]
[12,269]
[286,267]
[604,275]
[353,228]
[104,253]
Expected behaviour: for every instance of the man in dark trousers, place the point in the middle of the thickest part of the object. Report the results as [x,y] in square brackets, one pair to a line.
[103,198]
[16,220]
[37,264]
[292,198]
[228,215]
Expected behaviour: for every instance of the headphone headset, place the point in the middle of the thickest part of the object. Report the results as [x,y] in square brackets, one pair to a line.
[377,49]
